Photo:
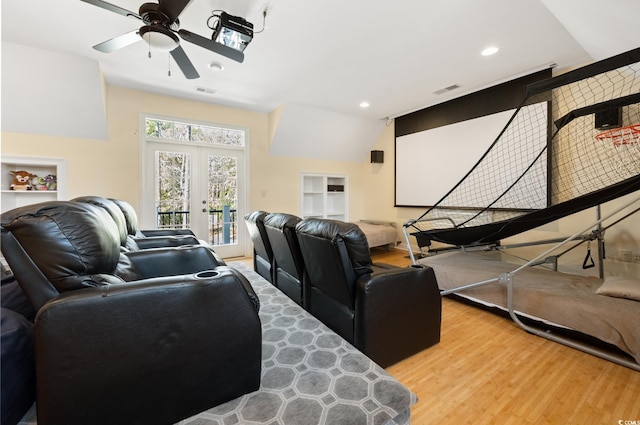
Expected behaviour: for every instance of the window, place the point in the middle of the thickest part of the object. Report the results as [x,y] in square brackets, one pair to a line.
[193,177]
[173,130]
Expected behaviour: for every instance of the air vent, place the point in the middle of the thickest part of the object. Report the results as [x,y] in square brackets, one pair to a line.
[447,89]
[205,90]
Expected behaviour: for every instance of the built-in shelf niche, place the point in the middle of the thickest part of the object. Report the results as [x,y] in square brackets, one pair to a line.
[38,166]
[324,196]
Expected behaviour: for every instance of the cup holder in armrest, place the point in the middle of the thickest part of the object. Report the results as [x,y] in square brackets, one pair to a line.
[206,274]
[417,266]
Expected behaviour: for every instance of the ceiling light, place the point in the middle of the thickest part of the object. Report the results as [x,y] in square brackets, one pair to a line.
[233,31]
[215,66]
[159,38]
[492,50]
[364,104]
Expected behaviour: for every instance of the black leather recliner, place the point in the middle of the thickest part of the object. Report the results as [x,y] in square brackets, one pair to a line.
[288,266]
[132,240]
[131,218]
[150,351]
[262,252]
[387,312]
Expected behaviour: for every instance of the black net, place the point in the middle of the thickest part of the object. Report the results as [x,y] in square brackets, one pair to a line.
[572,144]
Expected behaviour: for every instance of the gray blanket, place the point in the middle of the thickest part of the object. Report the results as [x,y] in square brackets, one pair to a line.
[558,298]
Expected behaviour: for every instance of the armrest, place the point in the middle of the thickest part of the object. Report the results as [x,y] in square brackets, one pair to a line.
[151,351]
[185,259]
[398,312]
[165,241]
[167,232]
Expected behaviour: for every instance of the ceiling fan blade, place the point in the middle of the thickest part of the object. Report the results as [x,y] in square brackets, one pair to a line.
[172,8]
[184,63]
[119,42]
[208,44]
[113,8]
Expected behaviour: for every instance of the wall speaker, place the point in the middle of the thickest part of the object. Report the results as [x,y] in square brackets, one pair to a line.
[607,119]
[377,157]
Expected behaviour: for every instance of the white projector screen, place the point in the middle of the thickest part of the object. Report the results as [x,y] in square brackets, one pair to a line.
[429,163]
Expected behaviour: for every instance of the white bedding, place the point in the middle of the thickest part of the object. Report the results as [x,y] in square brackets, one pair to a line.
[558,298]
[379,233]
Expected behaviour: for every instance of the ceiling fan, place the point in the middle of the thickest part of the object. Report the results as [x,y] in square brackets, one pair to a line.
[161,30]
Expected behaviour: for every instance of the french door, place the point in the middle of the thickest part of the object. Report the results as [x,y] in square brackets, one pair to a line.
[199,188]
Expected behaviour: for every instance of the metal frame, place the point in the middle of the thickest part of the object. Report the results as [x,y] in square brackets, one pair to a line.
[508,279]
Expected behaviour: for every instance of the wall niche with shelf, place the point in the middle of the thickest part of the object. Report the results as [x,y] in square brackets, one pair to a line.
[324,196]
[40,167]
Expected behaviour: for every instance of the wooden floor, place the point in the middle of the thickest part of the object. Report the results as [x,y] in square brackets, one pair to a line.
[486,370]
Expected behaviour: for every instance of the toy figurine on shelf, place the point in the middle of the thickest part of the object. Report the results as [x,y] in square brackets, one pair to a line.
[51,182]
[38,183]
[21,180]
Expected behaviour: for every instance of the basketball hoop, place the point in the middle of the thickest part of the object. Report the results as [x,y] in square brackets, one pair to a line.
[628,135]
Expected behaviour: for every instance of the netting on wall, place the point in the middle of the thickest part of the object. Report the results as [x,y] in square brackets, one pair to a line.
[550,153]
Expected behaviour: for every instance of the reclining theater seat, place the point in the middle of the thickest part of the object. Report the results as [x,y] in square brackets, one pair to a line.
[127,226]
[151,351]
[131,218]
[387,312]
[262,252]
[288,266]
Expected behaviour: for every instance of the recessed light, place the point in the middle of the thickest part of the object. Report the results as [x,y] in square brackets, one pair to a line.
[216,66]
[364,104]
[492,50]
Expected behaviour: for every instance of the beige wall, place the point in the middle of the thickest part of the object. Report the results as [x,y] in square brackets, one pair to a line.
[111,168]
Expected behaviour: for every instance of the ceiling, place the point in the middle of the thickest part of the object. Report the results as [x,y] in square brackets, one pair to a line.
[334,54]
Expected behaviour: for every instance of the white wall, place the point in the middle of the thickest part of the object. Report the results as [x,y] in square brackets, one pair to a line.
[63,95]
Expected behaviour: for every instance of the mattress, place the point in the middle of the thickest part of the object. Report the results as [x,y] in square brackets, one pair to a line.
[379,233]
[555,298]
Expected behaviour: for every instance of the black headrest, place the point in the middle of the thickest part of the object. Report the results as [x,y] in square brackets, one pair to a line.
[68,241]
[281,220]
[255,216]
[112,208]
[353,237]
[130,216]
[257,233]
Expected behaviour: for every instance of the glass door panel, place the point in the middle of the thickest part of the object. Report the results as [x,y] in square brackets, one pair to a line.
[223,199]
[172,194]
[199,188]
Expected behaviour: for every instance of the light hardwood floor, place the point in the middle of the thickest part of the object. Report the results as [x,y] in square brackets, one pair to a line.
[486,370]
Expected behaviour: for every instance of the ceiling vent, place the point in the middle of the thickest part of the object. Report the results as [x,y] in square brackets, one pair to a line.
[447,89]
[205,90]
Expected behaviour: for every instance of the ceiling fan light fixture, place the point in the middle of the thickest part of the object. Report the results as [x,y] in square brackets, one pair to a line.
[159,38]
[233,31]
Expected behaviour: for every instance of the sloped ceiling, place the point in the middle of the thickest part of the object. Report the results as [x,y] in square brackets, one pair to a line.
[51,93]
[603,29]
[331,136]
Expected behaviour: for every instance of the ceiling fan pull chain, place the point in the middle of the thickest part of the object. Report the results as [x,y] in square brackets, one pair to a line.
[169,64]
[149,44]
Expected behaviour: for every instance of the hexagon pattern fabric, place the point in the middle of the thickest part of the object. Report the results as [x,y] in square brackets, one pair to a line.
[310,375]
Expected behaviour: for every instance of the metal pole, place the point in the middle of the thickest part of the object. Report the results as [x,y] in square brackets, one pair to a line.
[226,224]
[600,240]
